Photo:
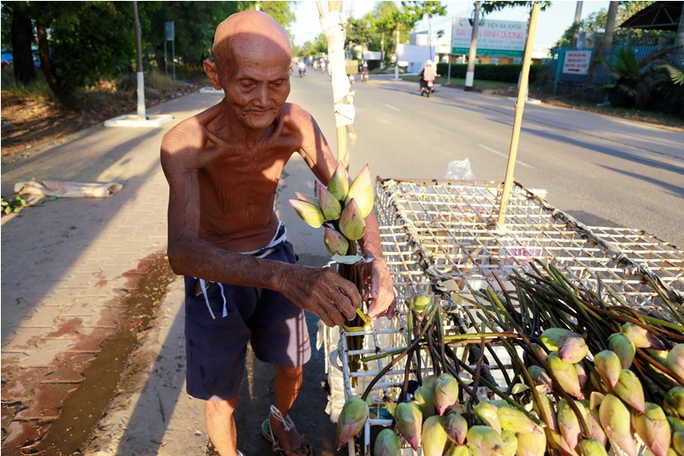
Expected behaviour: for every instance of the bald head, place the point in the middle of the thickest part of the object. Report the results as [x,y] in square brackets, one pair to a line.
[249,30]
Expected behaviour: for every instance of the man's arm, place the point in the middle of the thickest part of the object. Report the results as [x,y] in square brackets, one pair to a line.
[377,279]
[320,291]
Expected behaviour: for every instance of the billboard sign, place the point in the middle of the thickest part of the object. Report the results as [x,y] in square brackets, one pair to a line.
[495,38]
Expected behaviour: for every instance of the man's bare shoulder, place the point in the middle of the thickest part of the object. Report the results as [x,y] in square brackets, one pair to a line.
[295,113]
[190,134]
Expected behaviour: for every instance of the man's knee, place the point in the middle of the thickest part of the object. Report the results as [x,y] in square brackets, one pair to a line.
[220,409]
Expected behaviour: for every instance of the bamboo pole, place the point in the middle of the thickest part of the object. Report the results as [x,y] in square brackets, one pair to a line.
[517,122]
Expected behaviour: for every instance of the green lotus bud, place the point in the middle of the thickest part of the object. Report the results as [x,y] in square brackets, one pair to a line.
[568,423]
[445,392]
[623,347]
[456,428]
[351,420]
[595,399]
[352,224]
[515,420]
[573,348]
[675,360]
[641,337]
[676,424]
[484,441]
[311,214]
[565,374]
[678,442]
[595,428]
[553,337]
[428,380]
[629,389]
[653,429]
[362,191]
[434,438]
[335,242]
[424,399]
[510,442]
[458,450]
[339,182]
[387,444]
[608,366]
[546,412]
[419,303]
[532,444]
[330,206]
[674,402]
[540,378]
[592,447]
[539,351]
[308,199]
[614,418]
[409,422]
[488,414]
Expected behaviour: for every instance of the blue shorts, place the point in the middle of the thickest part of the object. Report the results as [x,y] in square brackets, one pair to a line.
[216,347]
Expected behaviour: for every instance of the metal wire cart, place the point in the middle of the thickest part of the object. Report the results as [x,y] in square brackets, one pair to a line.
[440,236]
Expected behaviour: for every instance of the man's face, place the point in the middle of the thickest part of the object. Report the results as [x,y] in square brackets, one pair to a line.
[257,84]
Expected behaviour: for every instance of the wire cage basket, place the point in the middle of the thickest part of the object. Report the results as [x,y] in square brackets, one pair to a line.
[440,236]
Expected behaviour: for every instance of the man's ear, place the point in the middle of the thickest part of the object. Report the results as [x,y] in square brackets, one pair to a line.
[212,73]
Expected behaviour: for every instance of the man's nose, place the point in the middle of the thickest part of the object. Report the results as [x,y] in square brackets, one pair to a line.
[262,96]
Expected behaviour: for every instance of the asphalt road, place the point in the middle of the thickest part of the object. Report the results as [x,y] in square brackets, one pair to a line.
[602,170]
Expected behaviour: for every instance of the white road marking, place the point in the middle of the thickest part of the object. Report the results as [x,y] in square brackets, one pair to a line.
[496,152]
[390,106]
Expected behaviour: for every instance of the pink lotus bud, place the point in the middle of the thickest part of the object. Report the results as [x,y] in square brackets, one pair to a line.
[335,242]
[510,442]
[445,392]
[581,374]
[339,182]
[422,301]
[352,224]
[553,337]
[330,207]
[531,444]
[629,389]
[488,414]
[568,423]
[308,212]
[641,337]
[573,349]
[595,428]
[608,366]
[484,441]
[540,378]
[387,444]
[565,374]
[614,418]
[434,438]
[409,422]
[653,428]
[623,347]
[351,420]
[515,420]
[592,447]
[458,450]
[456,428]
[546,412]
[675,360]
[308,199]
[362,191]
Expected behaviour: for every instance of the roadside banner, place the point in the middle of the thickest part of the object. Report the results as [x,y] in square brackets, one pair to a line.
[495,38]
[577,62]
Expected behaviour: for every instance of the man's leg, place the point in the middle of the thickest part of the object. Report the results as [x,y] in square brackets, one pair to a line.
[221,425]
[288,381]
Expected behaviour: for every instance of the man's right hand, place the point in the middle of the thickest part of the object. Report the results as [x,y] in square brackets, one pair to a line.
[322,292]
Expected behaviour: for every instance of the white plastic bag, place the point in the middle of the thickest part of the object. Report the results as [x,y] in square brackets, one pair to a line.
[459,170]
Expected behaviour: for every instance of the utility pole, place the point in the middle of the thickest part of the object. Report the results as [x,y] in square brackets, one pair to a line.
[470,72]
[576,24]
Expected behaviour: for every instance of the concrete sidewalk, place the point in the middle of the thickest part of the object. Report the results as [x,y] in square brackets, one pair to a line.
[70,270]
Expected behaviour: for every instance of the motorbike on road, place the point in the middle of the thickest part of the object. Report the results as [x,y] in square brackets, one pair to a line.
[426,88]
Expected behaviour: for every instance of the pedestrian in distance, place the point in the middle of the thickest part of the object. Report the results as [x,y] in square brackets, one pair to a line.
[242,281]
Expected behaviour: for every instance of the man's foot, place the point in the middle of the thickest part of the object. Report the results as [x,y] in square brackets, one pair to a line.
[283,435]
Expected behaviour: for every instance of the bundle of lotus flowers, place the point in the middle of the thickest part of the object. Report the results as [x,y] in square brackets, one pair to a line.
[341,209]
[585,376]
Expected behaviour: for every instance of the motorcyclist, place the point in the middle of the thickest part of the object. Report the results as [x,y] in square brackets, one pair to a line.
[302,69]
[427,75]
[364,72]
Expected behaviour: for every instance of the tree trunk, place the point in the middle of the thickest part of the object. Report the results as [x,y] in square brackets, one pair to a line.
[679,39]
[22,36]
[64,95]
[610,26]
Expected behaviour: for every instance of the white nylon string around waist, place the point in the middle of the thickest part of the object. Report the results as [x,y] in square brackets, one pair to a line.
[278,238]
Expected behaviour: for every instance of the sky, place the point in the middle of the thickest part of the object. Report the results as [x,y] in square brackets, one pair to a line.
[551,25]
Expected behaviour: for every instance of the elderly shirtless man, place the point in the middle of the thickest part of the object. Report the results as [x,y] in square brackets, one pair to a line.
[242,283]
